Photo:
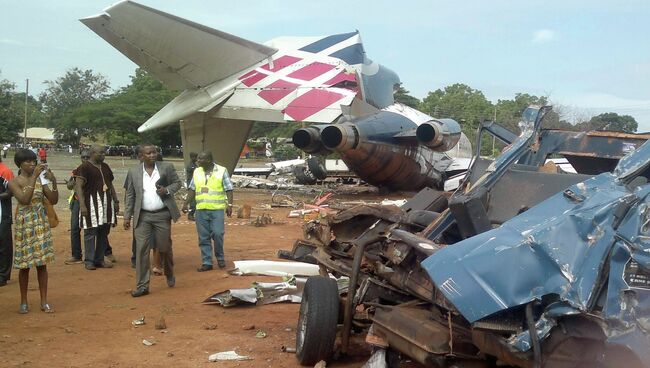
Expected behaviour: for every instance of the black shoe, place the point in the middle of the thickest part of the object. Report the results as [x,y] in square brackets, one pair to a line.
[222,264]
[204,268]
[90,267]
[139,292]
[3,283]
[104,265]
[171,281]
[190,216]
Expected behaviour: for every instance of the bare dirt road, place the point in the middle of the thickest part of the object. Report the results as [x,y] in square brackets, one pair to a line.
[91,326]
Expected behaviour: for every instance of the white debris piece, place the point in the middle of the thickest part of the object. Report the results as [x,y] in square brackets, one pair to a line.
[394,202]
[227,355]
[274,268]
[138,322]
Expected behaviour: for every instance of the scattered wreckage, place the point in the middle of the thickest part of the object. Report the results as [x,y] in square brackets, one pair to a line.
[522,266]
[292,174]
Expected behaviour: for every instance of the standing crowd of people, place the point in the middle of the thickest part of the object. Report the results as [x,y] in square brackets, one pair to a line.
[150,207]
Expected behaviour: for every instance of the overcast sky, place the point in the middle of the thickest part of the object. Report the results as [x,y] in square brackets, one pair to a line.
[586,56]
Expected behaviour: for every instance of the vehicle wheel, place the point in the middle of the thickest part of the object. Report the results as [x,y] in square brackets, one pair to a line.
[319,310]
[303,176]
[317,168]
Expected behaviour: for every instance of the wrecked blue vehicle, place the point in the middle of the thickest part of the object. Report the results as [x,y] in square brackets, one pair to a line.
[524,265]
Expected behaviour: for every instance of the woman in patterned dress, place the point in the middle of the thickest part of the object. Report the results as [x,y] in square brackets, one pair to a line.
[32,234]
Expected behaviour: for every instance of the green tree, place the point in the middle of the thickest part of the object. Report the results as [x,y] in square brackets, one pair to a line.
[610,121]
[263,129]
[460,102]
[35,115]
[508,112]
[65,95]
[11,118]
[118,116]
[402,95]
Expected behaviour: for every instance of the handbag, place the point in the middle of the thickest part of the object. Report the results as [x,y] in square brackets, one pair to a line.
[52,218]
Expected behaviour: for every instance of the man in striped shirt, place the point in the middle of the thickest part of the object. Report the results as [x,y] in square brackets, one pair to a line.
[98,206]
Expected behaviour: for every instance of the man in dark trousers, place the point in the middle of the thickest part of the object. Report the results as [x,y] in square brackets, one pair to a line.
[149,200]
[76,256]
[211,188]
[98,206]
[189,173]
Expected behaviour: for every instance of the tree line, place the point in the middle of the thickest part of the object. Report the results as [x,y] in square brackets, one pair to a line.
[82,104]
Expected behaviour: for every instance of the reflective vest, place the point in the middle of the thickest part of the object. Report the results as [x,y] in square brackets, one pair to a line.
[209,192]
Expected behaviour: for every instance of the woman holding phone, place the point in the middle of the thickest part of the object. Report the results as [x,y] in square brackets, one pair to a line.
[32,236]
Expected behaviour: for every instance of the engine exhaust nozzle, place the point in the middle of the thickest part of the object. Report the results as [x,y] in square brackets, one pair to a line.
[440,135]
[340,137]
[308,139]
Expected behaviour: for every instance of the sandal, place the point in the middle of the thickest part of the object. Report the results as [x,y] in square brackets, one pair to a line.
[47,308]
[157,271]
[23,309]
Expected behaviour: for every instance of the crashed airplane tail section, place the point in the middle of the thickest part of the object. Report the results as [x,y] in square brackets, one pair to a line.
[290,79]
[228,82]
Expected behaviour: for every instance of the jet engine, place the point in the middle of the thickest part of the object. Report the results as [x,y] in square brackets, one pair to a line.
[309,139]
[439,135]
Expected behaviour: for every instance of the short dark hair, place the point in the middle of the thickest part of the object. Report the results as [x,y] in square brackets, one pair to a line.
[23,155]
[141,146]
[207,154]
[193,155]
[97,148]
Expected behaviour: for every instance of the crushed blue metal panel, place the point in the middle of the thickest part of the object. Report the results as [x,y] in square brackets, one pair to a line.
[555,247]
[595,232]
[627,308]
[633,163]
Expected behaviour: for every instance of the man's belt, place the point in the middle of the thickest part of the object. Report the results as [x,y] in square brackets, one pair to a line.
[156,211]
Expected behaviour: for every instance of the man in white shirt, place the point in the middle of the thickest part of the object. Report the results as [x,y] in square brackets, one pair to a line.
[150,202]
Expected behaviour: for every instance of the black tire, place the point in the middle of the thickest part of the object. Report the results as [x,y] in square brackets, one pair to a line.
[316,330]
[303,176]
[317,168]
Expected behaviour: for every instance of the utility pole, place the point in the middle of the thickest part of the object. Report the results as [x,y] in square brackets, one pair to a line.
[493,138]
[25,129]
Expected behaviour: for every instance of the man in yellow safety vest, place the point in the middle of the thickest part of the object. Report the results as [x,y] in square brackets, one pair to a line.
[211,188]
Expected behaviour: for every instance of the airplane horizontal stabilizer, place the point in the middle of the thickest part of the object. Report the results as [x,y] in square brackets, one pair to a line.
[185,104]
[180,53]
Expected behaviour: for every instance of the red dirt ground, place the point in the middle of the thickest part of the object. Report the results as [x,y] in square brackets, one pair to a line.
[92,326]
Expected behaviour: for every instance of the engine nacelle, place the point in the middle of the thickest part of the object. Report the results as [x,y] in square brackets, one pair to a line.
[339,137]
[440,135]
[309,139]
